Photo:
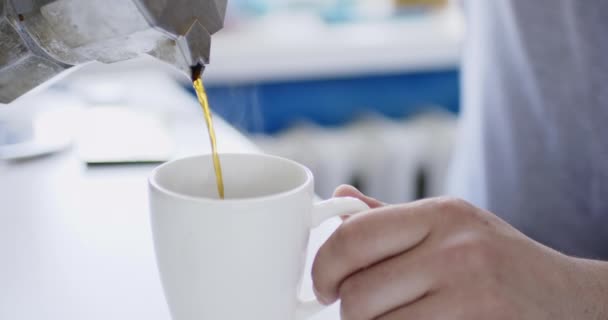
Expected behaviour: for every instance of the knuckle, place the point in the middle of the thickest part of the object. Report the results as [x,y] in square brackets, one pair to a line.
[341,249]
[348,310]
[454,204]
[346,232]
[344,242]
[321,274]
[454,211]
[317,277]
[471,252]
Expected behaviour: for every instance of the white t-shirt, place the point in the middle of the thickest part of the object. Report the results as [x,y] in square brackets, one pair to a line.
[534,146]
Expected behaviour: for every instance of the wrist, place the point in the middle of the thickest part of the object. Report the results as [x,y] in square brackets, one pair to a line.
[590,290]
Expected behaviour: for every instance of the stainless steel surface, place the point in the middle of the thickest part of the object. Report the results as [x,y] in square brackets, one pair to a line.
[42,38]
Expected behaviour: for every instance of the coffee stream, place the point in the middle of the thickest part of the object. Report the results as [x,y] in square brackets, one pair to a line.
[197,82]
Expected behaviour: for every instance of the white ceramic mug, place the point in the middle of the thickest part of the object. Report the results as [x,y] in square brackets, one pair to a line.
[239,258]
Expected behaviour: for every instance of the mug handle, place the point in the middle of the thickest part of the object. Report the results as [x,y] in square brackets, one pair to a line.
[322,211]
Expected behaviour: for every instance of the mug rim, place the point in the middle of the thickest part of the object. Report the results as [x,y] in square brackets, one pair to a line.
[153,183]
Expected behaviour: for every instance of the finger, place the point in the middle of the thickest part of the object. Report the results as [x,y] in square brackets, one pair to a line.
[388,285]
[434,306]
[364,240]
[350,191]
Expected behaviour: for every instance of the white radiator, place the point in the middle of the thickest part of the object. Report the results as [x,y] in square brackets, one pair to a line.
[393,161]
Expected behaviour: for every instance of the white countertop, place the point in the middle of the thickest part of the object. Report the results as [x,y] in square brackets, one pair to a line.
[75,242]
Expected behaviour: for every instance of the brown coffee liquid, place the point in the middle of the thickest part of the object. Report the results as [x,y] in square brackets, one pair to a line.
[197,82]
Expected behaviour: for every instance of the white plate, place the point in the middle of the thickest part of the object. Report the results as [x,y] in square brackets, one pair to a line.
[37,147]
[52,133]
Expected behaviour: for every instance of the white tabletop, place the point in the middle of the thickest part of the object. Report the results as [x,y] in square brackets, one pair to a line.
[75,242]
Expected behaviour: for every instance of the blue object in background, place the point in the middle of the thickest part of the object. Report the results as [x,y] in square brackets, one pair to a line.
[272,107]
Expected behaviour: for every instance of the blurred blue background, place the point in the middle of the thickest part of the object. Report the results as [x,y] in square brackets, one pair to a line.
[334,102]
[280,62]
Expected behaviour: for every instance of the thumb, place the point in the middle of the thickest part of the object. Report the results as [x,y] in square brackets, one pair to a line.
[350,191]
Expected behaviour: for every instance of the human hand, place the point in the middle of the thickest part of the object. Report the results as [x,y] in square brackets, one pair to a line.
[445,259]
